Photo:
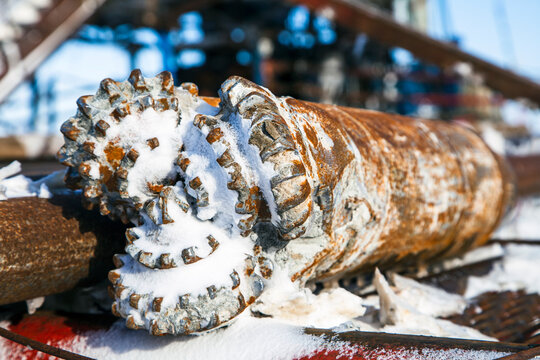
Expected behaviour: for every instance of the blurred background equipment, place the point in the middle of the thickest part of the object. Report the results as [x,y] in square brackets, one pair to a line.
[399,56]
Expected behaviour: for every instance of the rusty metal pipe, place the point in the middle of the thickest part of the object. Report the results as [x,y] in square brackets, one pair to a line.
[51,245]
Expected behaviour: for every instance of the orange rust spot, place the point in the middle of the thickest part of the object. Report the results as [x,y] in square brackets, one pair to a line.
[153,143]
[195,183]
[89,147]
[214,135]
[311,134]
[183,163]
[114,154]
[191,88]
[156,304]
[155,188]
[70,130]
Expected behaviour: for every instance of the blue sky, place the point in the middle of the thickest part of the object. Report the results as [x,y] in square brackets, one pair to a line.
[76,68]
[475,22]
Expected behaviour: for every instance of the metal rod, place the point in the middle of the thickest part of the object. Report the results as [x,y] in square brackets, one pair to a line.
[51,245]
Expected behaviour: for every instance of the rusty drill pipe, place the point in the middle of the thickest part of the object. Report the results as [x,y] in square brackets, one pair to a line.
[52,245]
[309,190]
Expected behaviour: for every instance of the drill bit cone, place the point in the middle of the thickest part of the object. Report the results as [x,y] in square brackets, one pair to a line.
[313,191]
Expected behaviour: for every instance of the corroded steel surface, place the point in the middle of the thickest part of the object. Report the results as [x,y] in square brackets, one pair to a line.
[351,189]
[50,245]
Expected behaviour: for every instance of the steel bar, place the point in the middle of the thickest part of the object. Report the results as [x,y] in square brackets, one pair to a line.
[36,345]
[377,25]
[369,345]
[51,245]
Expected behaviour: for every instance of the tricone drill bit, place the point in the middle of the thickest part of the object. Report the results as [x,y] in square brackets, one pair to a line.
[223,197]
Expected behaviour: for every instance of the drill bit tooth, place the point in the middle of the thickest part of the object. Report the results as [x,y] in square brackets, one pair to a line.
[150,208]
[104,208]
[214,135]
[134,300]
[89,147]
[236,88]
[156,329]
[257,285]
[183,301]
[70,129]
[122,173]
[235,279]
[165,216]
[85,168]
[164,104]
[83,104]
[189,256]
[146,258]
[201,121]
[245,225]
[152,143]
[114,309]
[214,321]
[183,161]
[101,127]
[296,216]
[117,261]
[120,112]
[241,302]
[201,193]
[119,291]
[156,304]
[226,159]
[212,290]
[131,236]
[91,191]
[213,243]
[111,89]
[145,102]
[166,262]
[191,88]
[266,267]
[132,155]
[256,102]
[137,81]
[167,82]
[260,138]
[132,324]
[287,171]
[291,193]
[114,276]
[63,157]
[278,147]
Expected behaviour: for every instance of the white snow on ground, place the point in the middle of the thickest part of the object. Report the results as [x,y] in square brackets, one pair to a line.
[21,186]
[522,222]
[519,269]
[247,338]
